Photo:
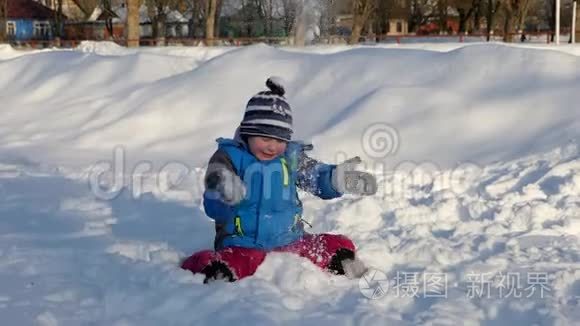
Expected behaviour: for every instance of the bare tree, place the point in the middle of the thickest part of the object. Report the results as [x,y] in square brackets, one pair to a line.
[195,18]
[300,24]
[327,17]
[265,11]
[3,20]
[156,10]
[210,18]
[492,6]
[195,9]
[477,12]
[256,14]
[550,12]
[577,31]
[132,23]
[58,20]
[384,9]
[419,13]
[508,20]
[361,12]
[249,17]
[218,13]
[514,15]
[522,11]
[465,9]
[442,6]
[288,15]
[107,8]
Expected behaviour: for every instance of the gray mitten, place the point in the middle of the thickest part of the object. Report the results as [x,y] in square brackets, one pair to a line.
[231,187]
[346,180]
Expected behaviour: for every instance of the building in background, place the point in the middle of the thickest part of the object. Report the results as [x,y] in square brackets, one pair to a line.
[29,20]
[74,10]
[391,19]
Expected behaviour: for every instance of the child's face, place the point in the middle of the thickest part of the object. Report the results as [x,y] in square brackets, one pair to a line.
[265,148]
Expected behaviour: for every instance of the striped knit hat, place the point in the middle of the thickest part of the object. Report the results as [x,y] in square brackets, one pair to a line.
[268,114]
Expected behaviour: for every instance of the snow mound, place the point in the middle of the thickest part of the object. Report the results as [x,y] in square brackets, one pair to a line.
[443,107]
[7,52]
[103,48]
[6,48]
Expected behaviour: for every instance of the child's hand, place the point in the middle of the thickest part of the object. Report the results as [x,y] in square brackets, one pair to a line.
[231,187]
[346,180]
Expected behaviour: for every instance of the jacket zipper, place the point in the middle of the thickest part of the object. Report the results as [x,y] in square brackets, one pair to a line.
[259,204]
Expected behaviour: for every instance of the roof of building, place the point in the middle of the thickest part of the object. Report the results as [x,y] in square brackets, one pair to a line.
[28,9]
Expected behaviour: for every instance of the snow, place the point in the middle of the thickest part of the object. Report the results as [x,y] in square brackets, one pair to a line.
[475,146]
[103,48]
[95,14]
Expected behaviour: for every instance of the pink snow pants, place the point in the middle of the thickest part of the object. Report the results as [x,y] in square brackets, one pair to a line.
[243,262]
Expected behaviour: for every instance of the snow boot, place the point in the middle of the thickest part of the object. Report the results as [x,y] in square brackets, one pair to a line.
[344,263]
[217,271]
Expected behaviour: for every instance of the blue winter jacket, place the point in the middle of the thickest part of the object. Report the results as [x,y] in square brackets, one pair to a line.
[270,215]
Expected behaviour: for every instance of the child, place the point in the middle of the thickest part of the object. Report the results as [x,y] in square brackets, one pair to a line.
[251,193]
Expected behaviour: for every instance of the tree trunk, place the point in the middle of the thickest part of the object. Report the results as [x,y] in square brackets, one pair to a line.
[268,25]
[160,24]
[361,10]
[442,4]
[190,27]
[418,18]
[218,12]
[508,25]
[490,14]
[192,24]
[552,16]
[522,8]
[259,9]
[132,32]
[58,21]
[210,12]
[476,15]
[356,32]
[154,27]
[3,20]
[577,31]
[382,18]
[356,22]
[289,17]
[462,19]
[300,25]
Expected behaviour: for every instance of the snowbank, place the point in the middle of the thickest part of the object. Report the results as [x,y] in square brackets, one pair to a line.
[71,258]
[103,48]
[443,107]
[7,52]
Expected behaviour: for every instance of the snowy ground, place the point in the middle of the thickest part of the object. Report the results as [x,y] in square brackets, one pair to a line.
[477,221]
